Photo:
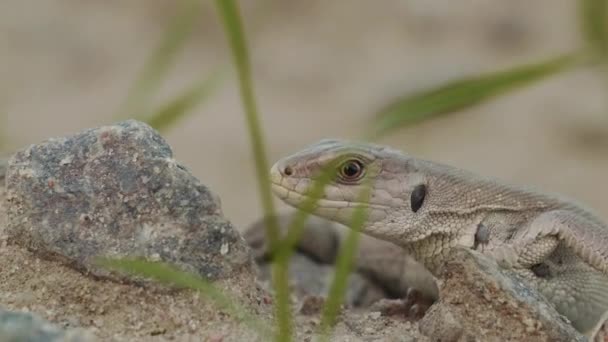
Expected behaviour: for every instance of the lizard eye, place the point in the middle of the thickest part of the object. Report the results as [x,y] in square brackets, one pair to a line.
[351,170]
[417,197]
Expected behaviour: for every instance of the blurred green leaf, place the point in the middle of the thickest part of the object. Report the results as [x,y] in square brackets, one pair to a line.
[236,37]
[464,93]
[283,251]
[176,109]
[231,19]
[347,252]
[162,59]
[311,198]
[345,262]
[170,275]
[594,22]
[286,247]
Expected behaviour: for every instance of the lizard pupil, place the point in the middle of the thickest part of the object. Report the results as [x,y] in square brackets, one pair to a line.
[352,169]
[417,197]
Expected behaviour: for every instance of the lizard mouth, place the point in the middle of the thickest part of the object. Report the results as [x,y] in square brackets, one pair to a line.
[294,198]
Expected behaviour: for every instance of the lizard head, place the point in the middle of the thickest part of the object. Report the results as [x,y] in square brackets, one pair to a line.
[398,191]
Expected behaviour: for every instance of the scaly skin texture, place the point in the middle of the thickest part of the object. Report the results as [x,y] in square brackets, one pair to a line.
[427,208]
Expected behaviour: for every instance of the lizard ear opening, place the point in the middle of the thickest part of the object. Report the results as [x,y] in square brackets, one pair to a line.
[417,197]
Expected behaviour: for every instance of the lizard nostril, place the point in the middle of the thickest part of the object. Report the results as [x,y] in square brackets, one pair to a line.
[287,171]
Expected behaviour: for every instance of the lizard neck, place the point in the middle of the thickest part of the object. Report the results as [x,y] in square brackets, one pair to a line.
[429,241]
[433,251]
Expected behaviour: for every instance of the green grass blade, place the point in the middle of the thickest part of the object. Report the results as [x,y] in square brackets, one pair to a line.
[234,30]
[295,229]
[236,37]
[176,109]
[170,275]
[282,252]
[344,264]
[594,24]
[162,59]
[464,93]
[312,196]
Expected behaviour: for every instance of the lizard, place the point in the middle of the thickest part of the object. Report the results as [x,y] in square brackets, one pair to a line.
[555,244]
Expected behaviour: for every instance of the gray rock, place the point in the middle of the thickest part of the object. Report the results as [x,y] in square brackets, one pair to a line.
[116,191]
[24,326]
[439,324]
[491,304]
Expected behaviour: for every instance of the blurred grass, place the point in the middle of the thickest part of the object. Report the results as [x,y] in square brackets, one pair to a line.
[179,107]
[594,26]
[286,247]
[138,101]
[162,59]
[296,226]
[464,93]
[280,275]
[170,275]
[236,37]
[344,263]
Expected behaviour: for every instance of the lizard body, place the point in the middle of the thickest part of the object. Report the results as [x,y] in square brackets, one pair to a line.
[556,245]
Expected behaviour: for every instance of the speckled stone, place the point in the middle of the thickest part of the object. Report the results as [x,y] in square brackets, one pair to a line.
[116,191]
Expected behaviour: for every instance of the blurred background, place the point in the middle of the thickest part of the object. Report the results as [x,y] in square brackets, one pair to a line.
[321,69]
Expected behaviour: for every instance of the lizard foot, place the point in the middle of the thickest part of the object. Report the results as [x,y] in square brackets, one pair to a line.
[412,307]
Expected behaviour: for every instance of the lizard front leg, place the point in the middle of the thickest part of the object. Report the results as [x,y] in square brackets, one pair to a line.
[535,241]
[571,248]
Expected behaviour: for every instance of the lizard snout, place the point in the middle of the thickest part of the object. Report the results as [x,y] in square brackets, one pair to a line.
[278,170]
[281,169]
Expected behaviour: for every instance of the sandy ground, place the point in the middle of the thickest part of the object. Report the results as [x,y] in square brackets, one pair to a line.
[321,68]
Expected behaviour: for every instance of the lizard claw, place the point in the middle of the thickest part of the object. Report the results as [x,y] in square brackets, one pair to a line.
[543,226]
[412,307]
[506,256]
